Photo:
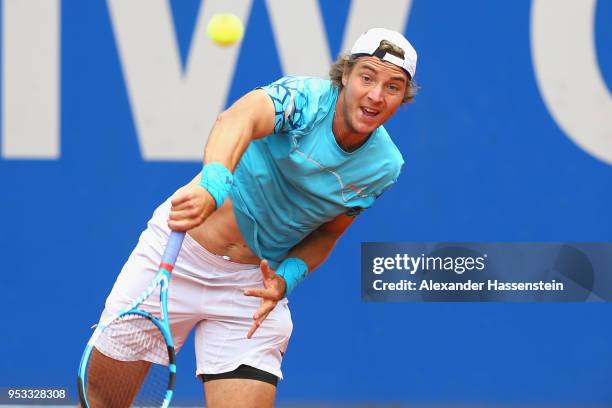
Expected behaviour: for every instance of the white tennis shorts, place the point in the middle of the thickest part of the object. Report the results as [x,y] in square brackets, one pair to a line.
[205,292]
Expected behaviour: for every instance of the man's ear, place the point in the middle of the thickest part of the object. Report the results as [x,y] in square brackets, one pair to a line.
[345,75]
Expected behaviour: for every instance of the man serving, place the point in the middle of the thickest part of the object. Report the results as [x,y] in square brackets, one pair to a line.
[286,170]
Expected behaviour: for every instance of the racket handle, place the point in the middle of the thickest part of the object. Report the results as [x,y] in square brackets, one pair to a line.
[173,247]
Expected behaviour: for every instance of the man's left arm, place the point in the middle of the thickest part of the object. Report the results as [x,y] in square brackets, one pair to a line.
[313,250]
[316,247]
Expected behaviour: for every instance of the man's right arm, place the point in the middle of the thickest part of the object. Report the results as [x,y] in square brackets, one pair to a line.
[249,118]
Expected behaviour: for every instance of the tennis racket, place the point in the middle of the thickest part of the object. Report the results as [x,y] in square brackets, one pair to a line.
[129,359]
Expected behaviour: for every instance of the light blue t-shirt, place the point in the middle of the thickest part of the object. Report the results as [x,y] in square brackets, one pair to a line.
[289,183]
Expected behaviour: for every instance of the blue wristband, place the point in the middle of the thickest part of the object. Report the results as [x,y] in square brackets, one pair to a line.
[293,270]
[217,180]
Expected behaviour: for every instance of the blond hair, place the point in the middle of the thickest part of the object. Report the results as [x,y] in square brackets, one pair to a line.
[346,62]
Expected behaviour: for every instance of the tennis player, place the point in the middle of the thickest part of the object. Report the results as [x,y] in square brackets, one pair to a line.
[286,170]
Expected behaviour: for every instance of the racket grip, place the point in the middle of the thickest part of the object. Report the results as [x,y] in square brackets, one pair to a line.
[173,247]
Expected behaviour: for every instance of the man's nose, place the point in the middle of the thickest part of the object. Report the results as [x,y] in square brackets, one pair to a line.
[376,93]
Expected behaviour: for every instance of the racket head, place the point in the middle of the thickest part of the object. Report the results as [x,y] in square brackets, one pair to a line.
[128,362]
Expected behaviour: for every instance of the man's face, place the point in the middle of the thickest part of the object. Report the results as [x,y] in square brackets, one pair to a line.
[373,91]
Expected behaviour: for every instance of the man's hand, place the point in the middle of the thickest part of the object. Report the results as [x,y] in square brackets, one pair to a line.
[191,205]
[272,292]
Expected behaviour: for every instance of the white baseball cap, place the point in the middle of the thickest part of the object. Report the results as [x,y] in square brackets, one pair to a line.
[368,44]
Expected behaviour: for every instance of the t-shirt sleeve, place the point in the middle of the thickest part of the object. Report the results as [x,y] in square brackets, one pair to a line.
[391,178]
[296,101]
[390,173]
[390,182]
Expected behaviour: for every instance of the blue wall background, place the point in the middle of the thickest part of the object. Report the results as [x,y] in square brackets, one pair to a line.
[485,161]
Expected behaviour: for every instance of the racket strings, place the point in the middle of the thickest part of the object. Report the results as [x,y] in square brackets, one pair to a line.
[130,365]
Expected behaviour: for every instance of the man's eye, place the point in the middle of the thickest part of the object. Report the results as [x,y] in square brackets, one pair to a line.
[394,88]
[366,78]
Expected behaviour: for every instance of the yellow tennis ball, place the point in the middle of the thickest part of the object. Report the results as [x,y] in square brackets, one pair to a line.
[225,29]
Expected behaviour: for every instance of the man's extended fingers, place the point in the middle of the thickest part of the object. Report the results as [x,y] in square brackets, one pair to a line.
[266,271]
[254,327]
[264,310]
[261,292]
[269,296]
[260,316]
